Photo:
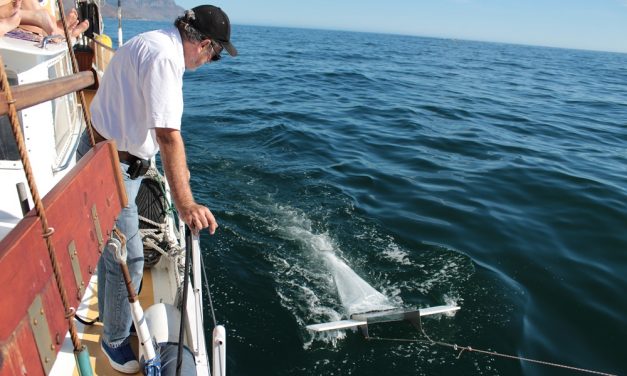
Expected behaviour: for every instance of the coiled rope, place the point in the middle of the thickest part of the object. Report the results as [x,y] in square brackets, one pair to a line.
[461,350]
[47,231]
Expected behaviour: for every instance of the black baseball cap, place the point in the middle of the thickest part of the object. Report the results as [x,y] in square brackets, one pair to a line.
[214,23]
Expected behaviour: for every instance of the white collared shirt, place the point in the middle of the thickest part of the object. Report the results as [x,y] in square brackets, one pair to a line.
[142,89]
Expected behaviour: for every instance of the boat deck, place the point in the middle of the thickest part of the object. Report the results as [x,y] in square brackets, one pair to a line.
[91,333]
[89,95]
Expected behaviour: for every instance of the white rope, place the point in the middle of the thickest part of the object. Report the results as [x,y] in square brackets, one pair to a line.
[153,223]
[152,245]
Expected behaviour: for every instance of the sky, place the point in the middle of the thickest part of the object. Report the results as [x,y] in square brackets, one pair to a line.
[581,24]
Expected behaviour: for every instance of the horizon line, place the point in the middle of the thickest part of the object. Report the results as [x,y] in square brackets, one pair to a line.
[406,34]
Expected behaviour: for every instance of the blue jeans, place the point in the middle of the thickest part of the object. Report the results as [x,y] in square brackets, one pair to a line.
[113,305]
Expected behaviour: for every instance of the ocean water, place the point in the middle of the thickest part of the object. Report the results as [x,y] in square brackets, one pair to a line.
[412,172]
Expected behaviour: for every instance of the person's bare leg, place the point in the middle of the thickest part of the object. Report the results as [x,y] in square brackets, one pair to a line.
[33,14]
[10,16]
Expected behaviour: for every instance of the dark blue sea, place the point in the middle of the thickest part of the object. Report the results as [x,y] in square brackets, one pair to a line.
[435,171]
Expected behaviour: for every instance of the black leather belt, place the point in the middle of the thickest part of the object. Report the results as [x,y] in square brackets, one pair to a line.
[123,156]
[137,166]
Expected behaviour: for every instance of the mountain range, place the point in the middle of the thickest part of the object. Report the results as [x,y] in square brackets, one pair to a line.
[163,10]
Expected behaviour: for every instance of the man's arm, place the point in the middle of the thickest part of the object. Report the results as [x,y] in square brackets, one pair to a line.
[196,216]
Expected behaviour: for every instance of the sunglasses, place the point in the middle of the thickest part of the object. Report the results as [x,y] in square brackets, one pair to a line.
[217,49]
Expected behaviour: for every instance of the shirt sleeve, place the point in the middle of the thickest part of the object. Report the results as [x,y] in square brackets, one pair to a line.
[162,86]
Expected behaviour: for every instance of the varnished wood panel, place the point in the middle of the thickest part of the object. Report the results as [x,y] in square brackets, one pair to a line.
[25,267]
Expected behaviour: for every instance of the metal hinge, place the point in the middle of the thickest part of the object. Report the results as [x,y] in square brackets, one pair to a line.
[41,332]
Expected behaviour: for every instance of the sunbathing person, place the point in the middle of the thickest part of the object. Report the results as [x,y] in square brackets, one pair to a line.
[31,16]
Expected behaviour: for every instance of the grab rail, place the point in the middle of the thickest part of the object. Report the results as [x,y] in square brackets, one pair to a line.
[29,95]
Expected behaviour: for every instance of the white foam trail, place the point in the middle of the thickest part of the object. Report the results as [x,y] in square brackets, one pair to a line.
[355,293]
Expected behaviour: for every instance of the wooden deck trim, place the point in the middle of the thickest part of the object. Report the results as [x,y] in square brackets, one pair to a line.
[29,95]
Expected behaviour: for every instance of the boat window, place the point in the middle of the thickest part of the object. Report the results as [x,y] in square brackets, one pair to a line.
[63,109]
[8,147]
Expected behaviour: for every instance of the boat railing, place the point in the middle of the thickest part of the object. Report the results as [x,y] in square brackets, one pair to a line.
[29,95]
[102,54]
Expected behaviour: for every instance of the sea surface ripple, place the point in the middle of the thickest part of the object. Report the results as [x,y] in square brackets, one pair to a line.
[492,176]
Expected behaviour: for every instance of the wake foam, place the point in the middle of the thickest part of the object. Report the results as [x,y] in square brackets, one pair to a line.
[316,284]
[357,295]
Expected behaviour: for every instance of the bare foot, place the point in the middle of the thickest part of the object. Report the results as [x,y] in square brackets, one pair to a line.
[41,20]
[79,29]
[37,21]
[74,27]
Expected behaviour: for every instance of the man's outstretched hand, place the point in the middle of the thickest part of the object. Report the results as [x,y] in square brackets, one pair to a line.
[198,217]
